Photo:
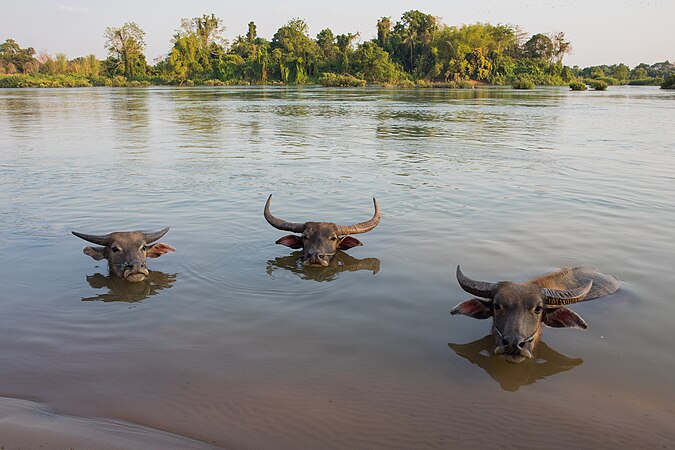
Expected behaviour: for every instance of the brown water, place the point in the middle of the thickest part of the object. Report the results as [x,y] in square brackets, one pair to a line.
[232,344]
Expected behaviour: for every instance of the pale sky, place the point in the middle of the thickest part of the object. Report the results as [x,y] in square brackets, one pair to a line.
[601,32]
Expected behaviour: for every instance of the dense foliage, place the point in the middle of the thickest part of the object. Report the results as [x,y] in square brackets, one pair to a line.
[417,50]
[523,82]
[578,85]
[597,85]
[669,82]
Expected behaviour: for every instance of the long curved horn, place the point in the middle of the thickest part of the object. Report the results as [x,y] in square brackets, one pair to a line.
[152,237]
[281,224]
[480,288]
[100,239]
[363,227]
[556,297]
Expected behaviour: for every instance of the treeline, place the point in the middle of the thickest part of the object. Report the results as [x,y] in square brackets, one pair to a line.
[417,49]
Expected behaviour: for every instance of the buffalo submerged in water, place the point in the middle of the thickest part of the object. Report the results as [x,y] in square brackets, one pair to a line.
[127,251]
[320,241]
[518,310]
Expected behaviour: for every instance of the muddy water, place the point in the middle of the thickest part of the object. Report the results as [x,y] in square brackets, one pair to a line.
[231,343]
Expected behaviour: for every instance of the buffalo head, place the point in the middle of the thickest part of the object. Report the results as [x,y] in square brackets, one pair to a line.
[319,241]
[126,251]
[518,310]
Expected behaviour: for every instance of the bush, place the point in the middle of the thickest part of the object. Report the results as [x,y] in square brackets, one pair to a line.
[611,81]
[597,85]
[402,84]
[43,81]
[335,80]
[523,82]
[646,82]
[138,83]
[578,85]
[98,80]
[119,81]
[214,82]
[460,84]
[669,82]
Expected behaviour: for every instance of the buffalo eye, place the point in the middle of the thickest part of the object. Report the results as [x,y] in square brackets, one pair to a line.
[333,238]
[144,247]
[115,249]
[538,309]
[496,306]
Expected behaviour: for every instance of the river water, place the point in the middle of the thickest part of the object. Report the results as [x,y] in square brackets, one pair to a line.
[231,343]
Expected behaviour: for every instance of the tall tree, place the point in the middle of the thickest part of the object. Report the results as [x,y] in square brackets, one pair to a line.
[126,44]
[295,52]
[13,57]
[561,46]
[539,46]
[207,29]
[198,50]
[383,30]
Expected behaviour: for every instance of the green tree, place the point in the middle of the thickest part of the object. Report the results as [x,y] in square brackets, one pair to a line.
[207,29]
[383,31]
[329,50]
[294,52]
[539,46]
[198,51]
[254,54]
[373,64]
[126,44]
[61,63]
[12,56]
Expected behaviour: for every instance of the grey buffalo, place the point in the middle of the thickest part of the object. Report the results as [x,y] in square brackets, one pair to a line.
[126,251]
[319,241]
[518,310]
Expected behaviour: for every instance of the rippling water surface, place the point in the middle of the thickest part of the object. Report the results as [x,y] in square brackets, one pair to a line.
[233,344]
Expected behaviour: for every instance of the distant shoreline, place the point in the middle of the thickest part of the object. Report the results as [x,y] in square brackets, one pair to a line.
[69,81]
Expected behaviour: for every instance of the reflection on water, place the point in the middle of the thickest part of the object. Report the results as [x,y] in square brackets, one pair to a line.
[340,262]
[119,290]
[546,362]
[130,114]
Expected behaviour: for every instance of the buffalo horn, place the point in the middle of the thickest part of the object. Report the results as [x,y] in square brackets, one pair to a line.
[480,288]
[556,297]
[362,227]
[152,237]
[100,239]
[281,224]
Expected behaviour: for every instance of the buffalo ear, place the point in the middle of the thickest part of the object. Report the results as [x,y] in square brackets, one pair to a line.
[291,241]
[348,242]
[158,249]
[562,318]
[475,307]
[98,253]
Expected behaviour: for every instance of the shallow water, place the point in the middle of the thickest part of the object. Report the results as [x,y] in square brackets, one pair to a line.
[232,344]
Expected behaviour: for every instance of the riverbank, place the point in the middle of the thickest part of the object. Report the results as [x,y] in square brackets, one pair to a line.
[72,81]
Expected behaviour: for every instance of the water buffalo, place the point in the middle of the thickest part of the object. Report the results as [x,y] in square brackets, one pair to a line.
[320,240]
[519,309]
[126,251]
